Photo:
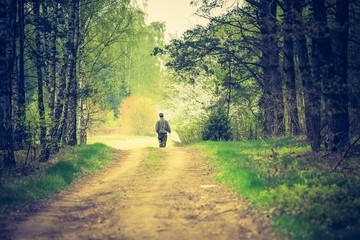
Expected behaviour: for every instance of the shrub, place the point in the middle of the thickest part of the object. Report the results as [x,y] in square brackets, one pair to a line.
[217,127]
[138,116]
[190,132]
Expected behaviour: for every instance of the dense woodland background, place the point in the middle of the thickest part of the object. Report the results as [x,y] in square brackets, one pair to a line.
[259,69]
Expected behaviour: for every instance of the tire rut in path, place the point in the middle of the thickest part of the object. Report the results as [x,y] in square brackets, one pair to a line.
[178,201]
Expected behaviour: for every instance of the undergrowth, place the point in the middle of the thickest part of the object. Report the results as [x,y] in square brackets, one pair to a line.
[49,178]
[304,196]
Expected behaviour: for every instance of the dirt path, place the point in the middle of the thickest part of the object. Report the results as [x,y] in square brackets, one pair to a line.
[127,201]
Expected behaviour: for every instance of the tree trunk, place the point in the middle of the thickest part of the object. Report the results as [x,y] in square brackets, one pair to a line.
[289,69]
[72,83]
[276,80]
[20,112]
[266,101]
[39,70]
[354,73]
[273,96]
[61,108]
[312,88]
[334,89]
[82,114]
[47,51]
[52,66]
[50,70]
[322,59]
[6,68]
[338,99]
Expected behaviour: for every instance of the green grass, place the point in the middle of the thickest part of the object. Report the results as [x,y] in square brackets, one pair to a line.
[55,175]
[244,165]
[154,160]
[305,201]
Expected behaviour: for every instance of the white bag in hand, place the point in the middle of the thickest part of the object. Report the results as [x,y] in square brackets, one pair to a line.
[175,137]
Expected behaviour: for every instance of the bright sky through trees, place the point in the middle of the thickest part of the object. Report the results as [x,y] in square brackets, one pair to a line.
[178,16]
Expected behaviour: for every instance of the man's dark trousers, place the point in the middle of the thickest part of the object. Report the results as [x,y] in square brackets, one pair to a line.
[162,139]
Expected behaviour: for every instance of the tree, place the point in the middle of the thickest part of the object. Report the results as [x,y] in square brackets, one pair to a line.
[289,70]
[217,126]
[312,88]
[72,79]
[6,69]
[339,101]
[273,97]
[40,90]
[137,115]
[278,30]
[19,106]
[221,56]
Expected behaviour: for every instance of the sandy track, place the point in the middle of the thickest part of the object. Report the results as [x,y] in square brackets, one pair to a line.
[127,201]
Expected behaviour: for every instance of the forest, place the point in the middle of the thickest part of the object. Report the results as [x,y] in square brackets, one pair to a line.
[276,68]
[262,70]
[65,64]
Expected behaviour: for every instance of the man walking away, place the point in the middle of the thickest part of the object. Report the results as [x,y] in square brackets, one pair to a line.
[162,127]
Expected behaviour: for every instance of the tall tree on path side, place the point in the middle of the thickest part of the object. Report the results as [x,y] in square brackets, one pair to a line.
[40,75]
[289,69]
[272,101]
[329,62]
[18,96]
[338,99]
[72,81]
[312,88]
[7,9]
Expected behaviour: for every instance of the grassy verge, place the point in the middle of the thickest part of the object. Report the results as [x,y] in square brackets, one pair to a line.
[46,179]
[306,199]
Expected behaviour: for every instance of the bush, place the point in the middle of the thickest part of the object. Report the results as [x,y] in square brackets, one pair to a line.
[217,127]
[190,132]
[138,116]
[334,206]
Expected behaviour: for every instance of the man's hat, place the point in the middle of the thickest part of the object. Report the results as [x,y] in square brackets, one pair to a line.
[161,115]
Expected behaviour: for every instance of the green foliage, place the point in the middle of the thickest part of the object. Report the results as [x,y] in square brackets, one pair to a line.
[306,201]
[217,57]
[217,126]
[144,74]
[54,176]
[117,56]
[191,132]
[138,116]
[335,206]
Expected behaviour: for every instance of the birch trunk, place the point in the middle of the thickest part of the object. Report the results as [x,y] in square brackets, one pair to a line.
[39,71]
[72,83]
